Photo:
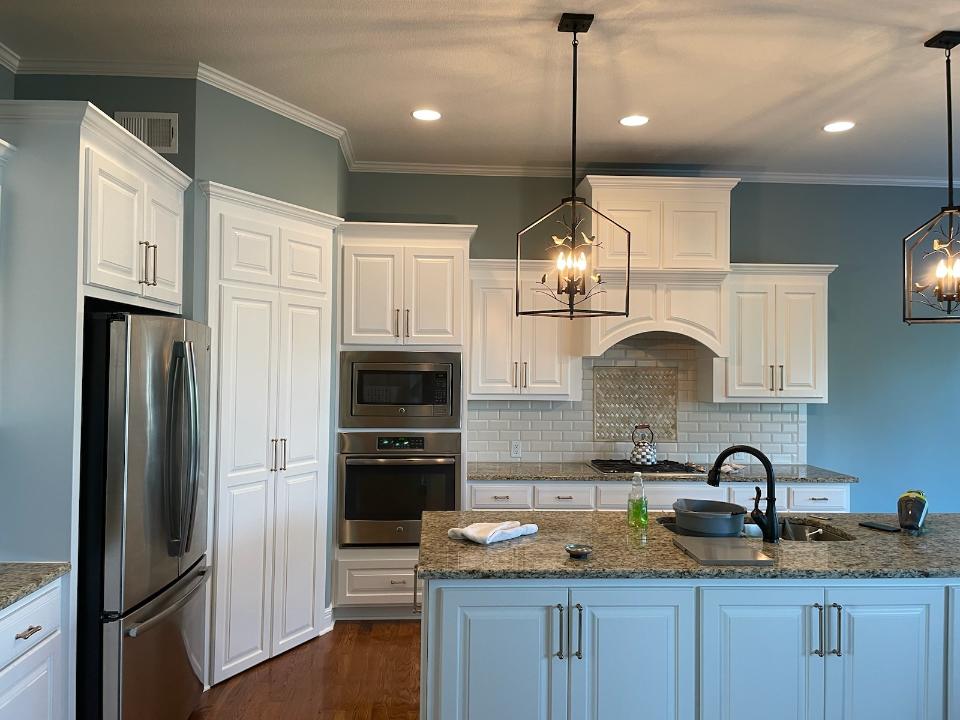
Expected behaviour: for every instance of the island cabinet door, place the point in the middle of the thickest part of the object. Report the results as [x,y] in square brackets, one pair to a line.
[953,653]
[759,653]
[633,653]
[885,656]
[500,654]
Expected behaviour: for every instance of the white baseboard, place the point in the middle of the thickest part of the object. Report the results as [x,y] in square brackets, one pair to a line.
[327,621]
[374,612]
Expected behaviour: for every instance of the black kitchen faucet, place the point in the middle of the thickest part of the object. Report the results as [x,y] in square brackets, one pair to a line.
[768,522]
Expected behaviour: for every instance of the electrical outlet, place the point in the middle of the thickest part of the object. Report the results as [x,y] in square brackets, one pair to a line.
[515,448]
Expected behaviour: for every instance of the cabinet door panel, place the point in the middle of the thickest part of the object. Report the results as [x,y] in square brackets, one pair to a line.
[372,295]
[498,654]
[304,260]
[750,367]
[113,226]
[249,320]
[696,235]
[495,351]
[801,341]
[892,657]
[165,238]
[32,687]
[777,627]
[642,218]
[301,498]
[618,675]
[433,296]
[544,347]
[250,251]
[953,654]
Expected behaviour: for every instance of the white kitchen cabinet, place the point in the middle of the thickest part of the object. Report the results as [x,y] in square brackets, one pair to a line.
[758,649]
[839,653]
[885,653]
[953,652]
[273,365]
[376,576]
[403,284]
[502,653]
[511,355]
[778,337]
[164,238]
[631,651]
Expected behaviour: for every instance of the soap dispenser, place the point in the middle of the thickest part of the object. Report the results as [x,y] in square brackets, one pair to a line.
[637,504]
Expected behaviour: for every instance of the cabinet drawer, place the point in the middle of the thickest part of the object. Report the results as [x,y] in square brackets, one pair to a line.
[40,610]
[662,497]
[563,496]
[817,497]
[369,582]
[743,495]
[613,496]
[518,497]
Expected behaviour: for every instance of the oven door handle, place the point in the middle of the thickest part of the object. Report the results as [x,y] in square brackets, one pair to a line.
[402,461]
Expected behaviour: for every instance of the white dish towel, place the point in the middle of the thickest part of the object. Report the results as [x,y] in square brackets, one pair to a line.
[486,533]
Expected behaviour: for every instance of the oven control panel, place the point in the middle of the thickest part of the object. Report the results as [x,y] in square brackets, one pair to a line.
[403,442]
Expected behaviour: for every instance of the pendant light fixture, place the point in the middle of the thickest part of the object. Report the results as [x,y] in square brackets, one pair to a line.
[931,253]
[568,236]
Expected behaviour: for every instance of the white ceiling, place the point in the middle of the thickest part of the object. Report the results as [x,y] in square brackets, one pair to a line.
[736,84]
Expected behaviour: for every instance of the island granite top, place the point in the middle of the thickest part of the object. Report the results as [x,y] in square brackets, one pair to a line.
[19,579]
[621,552]
[583,471]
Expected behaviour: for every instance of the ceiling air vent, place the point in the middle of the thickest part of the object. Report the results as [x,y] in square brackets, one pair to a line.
[157,129]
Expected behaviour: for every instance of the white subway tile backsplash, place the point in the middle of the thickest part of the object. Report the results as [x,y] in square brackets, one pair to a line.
[557,431]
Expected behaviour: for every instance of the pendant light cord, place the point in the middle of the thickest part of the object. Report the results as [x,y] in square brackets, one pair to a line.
[949,136]
[573,125]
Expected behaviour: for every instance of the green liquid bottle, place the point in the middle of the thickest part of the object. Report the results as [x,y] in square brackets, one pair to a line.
[637,504]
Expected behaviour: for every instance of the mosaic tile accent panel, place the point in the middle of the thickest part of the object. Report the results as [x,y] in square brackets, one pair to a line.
[626,396]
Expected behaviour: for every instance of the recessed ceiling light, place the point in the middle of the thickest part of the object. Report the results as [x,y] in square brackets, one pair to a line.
[634,120]
[839,126]
[426,114]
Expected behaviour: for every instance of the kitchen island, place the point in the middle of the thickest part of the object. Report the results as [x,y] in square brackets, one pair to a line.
[855,628]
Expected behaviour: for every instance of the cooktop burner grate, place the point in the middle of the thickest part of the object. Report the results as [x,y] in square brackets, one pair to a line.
[664,466]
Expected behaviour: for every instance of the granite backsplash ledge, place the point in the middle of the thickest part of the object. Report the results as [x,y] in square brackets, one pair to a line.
[562,431]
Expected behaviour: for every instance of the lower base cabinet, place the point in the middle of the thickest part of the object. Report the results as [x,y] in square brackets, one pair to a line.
[30,688]
[570,653]
[835,653]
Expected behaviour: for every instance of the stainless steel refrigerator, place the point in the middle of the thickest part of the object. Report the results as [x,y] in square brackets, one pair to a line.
[142,567]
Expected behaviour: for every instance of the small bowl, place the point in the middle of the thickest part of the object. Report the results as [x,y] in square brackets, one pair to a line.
[578,550]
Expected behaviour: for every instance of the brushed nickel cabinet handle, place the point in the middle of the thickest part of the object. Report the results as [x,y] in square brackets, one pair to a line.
[501,497]
[274,466]
[29,632]
[772,378]
[560,651]
[525,373]
[515,370]
[398,582]
[838,651]
[145,280]
[818,499]
[406,326]
[283,453]
[417,610]
[819,651]
[154,273]
[564,497]
[396,326]
[781,378]
[579,652]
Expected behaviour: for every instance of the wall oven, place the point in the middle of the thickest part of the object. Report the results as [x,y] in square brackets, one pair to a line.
[399,389]
[386,480]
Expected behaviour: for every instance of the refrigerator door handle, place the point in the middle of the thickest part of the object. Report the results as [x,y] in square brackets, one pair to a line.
[140,628]
[193,475]
[173,482]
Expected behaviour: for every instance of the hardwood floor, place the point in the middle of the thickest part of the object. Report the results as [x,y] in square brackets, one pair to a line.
[358,671]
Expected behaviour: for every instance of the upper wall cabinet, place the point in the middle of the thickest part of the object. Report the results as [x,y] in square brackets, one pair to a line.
[404,284]
[674,223]
[778,337]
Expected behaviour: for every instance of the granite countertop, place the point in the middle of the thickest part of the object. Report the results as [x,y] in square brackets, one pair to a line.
[19,579]
[620,552]
[561,472]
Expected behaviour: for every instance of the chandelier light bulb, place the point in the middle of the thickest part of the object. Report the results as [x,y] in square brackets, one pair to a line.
[956,269]
[941,270]
[560,261]
[582,262]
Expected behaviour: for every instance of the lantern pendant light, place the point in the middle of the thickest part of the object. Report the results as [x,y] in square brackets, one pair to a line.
[931,253]
[569,236]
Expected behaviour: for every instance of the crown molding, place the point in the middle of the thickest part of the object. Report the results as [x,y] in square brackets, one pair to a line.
[660,181]
[9,59]
[239,88]
[375,166]
[261,202]
[54,66]
[781,269]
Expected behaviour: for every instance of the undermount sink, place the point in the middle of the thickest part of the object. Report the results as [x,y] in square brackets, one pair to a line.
[791,530]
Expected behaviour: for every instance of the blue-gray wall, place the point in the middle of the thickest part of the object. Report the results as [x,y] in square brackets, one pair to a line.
[889,383]
[112,93]
[6,84]
[246,146]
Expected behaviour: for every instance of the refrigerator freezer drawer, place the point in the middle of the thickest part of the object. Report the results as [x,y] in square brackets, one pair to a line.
[153,658]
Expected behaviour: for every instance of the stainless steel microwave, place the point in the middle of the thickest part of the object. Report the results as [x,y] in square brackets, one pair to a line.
[389,389]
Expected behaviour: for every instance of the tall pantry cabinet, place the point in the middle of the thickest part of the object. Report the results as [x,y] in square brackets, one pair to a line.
[270,303]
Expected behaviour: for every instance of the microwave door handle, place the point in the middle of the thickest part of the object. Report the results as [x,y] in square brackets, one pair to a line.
[193,419]
[400,461]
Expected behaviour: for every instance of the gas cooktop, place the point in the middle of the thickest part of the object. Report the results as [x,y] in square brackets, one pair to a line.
[664,467]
